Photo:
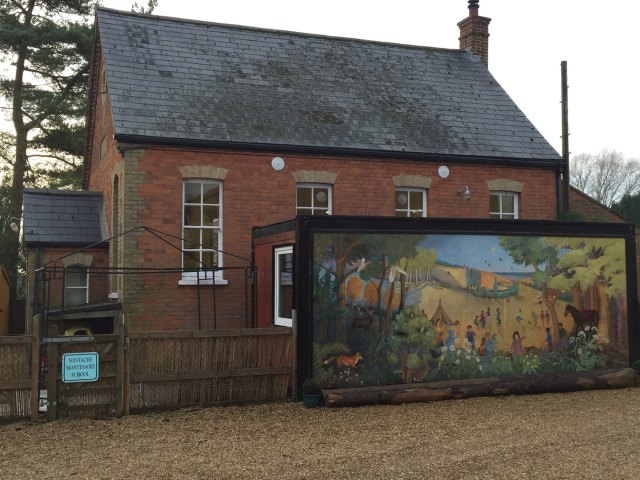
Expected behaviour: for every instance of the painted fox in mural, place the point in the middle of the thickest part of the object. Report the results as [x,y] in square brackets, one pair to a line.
[345,361]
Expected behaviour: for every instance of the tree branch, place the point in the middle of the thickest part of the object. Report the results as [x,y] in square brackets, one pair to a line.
[19,6]
[61,97]
[55,157]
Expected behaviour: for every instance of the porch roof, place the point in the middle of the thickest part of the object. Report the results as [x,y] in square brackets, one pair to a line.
[62,217]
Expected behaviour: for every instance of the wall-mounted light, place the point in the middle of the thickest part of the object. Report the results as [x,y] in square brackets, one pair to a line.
[465,192]
[15,224]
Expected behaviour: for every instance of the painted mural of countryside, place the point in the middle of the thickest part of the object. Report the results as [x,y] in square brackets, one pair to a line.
[403,308]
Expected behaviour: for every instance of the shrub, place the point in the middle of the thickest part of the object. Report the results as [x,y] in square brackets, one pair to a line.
[310,386]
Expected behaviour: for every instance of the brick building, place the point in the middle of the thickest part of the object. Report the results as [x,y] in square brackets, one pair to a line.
[200,131]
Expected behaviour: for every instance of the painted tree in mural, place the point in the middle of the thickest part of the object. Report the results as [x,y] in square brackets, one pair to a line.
[543,257]
[326,307]
[412,335]
[342,255]
[596,264]
[389,255]
[418,269]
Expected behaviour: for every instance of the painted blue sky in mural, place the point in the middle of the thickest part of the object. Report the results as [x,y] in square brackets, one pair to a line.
[477,251]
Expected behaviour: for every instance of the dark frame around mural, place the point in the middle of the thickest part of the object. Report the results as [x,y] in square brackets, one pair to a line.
[308,227]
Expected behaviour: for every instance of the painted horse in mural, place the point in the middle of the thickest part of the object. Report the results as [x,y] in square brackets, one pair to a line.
[582,318]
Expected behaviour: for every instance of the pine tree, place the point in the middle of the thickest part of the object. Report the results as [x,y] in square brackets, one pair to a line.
[48,45]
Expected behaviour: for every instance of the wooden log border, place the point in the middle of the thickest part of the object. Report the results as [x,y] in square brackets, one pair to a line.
[491,386]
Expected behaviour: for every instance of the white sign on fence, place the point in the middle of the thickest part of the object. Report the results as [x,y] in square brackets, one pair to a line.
[80,367]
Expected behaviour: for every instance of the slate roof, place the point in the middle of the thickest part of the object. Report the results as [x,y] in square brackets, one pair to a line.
[61,217]
[186,80]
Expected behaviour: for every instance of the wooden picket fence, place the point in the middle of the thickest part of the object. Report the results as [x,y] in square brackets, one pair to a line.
[208,367]
[159,370]
[17,358]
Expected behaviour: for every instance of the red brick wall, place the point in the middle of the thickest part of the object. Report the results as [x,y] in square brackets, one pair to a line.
[591,210]
[105,159]
[263,255]
[254,194]
[98,281]
[106,163]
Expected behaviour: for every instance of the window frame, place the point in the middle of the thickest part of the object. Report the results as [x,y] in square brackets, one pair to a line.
[501,213]
[76,268]
[312,186]
[408,210]
[207,276]
[277,252]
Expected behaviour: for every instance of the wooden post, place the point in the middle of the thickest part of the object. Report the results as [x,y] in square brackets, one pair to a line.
[119,328]
[126,377]
[565,137]
[52,375]
[35,366]
[294,355]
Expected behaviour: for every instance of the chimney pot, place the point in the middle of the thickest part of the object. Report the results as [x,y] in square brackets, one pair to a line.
[473,8]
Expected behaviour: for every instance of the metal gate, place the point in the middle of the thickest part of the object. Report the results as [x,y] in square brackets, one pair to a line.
[84,375]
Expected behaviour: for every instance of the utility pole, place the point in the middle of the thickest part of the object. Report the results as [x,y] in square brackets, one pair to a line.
[565,138]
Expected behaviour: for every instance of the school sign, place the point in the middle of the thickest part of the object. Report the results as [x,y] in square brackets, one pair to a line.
[80,367]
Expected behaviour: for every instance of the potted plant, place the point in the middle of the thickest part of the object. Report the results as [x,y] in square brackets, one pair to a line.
[311,393]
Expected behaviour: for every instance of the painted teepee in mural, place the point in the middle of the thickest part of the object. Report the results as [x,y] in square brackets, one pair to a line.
[440,317]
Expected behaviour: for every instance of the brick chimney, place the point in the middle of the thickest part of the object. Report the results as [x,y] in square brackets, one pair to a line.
[474,33]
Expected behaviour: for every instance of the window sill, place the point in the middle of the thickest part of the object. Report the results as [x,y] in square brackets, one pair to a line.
[203,282]
[283,322]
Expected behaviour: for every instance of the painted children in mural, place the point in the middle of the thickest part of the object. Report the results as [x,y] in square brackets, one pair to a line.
[483,319]
[482,351]
[516,344]
[547,317]
[476,321]
[541,317]
[450,344]
[471,337]
[488,346]
[498,316]
[534,319]
[519,315]
[549,340]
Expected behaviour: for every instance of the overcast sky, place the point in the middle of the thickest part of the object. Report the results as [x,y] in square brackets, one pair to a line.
[528,40]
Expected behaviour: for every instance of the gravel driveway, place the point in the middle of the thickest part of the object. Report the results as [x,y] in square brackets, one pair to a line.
[580,435]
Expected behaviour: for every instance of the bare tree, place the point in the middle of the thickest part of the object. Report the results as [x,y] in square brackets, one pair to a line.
[151,5]
[606,176]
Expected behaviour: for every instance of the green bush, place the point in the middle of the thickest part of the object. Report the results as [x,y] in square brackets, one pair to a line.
[310,386]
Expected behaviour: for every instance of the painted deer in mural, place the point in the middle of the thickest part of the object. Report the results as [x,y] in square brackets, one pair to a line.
[363,321]
[582,318]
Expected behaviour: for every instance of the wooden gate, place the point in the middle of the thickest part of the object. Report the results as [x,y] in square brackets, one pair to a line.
[72,360]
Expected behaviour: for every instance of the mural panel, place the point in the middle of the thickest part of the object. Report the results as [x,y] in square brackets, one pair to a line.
[415,307]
